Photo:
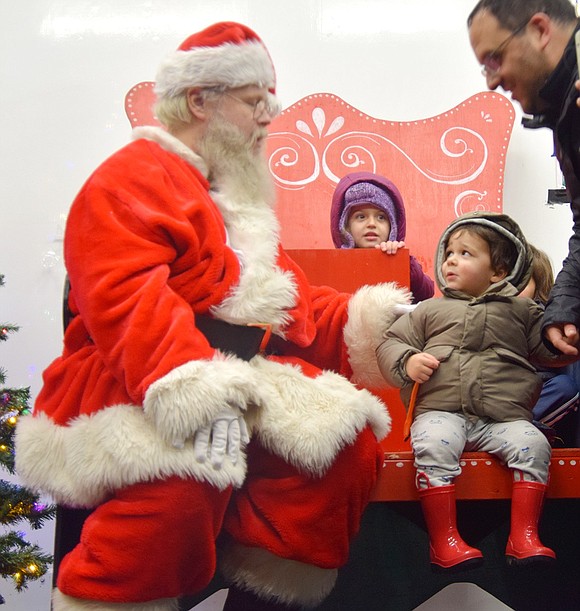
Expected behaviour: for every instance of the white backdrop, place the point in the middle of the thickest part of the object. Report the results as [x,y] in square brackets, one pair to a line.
[66,65]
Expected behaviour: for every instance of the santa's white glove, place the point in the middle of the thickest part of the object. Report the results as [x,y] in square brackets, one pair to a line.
[225,435]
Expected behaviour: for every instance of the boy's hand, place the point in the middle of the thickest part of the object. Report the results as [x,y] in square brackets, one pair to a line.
[420,367]
[390,247]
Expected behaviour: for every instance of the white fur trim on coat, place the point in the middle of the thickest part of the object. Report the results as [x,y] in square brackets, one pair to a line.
[294,409]
[265,293]
[81,464]
[190,396]
[62,602]
[276,579]
[371,311]
[170,143]
[228,65]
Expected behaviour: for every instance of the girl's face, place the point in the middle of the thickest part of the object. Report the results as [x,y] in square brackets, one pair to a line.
[467,264]
[368,226]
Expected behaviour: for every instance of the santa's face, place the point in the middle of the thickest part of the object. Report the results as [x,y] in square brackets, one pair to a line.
[233,147]
[249,109]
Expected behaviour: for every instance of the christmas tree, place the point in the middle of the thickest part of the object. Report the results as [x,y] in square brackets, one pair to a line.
[19,560]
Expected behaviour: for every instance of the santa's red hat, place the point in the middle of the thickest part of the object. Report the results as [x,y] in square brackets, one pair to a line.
[225,54]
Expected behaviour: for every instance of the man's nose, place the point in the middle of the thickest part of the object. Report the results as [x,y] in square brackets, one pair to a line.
[493,81]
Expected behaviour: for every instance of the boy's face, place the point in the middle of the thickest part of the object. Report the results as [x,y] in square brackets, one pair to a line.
[467,264]
[368,226]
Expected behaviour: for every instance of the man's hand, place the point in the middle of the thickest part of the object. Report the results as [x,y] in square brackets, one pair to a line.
[420,367]
[564,337]
[227,434]
[390,247]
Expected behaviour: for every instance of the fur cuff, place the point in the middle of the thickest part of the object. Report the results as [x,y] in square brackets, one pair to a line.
[190,396]
[81,464]
[370,314]
[295,409]
[62,602]
[276,579]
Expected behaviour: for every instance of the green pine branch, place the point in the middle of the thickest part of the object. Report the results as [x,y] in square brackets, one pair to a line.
[5,331]
[19,560]
[18,503]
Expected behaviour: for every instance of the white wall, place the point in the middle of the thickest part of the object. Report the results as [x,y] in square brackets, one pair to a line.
[65,68]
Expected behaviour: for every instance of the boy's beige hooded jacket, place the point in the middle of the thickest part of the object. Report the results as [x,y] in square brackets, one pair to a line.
[486,345]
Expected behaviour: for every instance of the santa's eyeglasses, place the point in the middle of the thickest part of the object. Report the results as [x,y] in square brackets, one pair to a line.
[259,107]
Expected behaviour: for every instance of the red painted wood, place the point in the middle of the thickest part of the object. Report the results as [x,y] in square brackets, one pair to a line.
[483,477]
[443,165]
[348,270]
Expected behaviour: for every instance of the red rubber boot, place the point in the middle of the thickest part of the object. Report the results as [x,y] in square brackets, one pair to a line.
[524,545]
[447,548]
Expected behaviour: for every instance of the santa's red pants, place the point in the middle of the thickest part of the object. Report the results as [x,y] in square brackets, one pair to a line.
[157,539]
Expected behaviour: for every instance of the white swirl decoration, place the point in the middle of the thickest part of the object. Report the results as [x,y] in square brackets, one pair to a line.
[305,151]
[286,160]
[470,201]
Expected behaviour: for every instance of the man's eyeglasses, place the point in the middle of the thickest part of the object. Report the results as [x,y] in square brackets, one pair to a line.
[492,61]
[259,107]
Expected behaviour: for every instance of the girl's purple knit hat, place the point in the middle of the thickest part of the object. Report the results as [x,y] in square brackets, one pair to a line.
[365,188]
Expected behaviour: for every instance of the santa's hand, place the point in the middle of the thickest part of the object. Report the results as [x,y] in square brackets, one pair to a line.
[225,435]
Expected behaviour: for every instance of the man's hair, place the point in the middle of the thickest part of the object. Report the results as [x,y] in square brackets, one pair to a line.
[512,13]
[502,251]
[173,111]
[542,273]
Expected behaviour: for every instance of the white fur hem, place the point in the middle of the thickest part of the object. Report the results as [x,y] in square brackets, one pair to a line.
[81,464]
[370,313]
[191,395]
[278,579]
[62,602]
[307,421]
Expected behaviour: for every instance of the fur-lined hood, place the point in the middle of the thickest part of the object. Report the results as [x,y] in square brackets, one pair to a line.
[506,226]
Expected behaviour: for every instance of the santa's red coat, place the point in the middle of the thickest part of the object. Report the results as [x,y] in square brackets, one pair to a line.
[148,247]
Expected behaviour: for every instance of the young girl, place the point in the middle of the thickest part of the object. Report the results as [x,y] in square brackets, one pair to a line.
[467,357]
[368,212]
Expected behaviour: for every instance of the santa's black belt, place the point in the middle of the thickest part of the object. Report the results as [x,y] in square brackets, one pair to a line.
[245,341]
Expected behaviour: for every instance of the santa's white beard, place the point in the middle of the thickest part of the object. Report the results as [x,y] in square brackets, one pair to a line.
[235,164]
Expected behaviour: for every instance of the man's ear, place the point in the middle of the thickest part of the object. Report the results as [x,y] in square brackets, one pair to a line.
[196,103]
[541,27]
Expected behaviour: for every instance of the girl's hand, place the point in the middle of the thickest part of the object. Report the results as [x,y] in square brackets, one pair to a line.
[390,247]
